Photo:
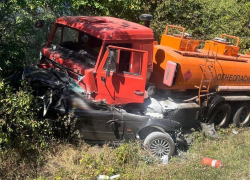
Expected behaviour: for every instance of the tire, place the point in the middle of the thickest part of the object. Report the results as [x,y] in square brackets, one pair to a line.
[221,115]
[150,87]
[159,144]
[242,115]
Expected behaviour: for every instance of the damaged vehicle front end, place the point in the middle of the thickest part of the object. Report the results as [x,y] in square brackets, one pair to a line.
[98,122]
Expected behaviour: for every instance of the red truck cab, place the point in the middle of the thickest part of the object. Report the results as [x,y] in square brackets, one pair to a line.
[110,58]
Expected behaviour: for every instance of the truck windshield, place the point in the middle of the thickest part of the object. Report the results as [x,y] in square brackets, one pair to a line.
[82,46]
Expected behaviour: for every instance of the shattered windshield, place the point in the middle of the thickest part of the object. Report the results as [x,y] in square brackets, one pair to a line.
[77,45]
[75,87]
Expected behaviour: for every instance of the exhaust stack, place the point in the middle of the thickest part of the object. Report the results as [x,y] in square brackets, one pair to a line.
[146,18]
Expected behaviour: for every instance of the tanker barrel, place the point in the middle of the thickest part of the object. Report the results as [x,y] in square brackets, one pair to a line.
[146,18]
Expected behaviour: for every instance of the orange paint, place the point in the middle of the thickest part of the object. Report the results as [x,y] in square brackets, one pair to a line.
[230,68]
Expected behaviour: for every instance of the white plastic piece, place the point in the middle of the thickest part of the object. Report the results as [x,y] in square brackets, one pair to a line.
[235,132]
[164,159]
[103,177]
[115,176]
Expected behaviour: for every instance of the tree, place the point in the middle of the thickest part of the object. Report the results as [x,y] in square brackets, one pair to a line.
[20,42]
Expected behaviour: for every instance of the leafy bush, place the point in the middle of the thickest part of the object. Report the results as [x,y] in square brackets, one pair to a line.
[25,137]
[20,126]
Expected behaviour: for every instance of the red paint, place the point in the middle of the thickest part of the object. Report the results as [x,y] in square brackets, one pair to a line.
[121,88]
[187,75]
[74,66]
[44,66]
[107,28]
[89,80]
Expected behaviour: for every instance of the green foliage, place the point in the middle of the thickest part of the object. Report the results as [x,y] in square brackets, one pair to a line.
[109,161]
[20,42]
[128,160]
[88,162]
[20,126]
[131,161]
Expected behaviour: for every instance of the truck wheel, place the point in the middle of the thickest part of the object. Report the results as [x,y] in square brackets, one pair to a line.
[221,116]
[242,115]
[159,144]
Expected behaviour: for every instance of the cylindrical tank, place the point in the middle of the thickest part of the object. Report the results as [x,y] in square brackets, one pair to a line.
[189,72]
[224,69]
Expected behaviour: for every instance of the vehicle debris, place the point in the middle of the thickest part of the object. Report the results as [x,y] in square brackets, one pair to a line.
[103,177]
[235,132]
[209,130]
[164,160]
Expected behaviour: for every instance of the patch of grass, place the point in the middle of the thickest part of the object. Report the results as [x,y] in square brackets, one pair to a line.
[132,162]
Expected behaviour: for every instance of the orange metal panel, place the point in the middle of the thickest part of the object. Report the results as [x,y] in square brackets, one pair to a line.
[230,73]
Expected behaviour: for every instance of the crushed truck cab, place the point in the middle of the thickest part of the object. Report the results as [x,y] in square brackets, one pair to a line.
[110,58]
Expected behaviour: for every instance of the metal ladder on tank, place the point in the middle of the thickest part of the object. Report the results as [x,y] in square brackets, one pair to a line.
[207,75]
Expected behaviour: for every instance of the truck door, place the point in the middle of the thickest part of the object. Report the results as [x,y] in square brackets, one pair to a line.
[121,76]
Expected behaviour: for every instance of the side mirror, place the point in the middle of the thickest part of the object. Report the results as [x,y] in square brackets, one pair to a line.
[111,55]
[39,23]
[111,61]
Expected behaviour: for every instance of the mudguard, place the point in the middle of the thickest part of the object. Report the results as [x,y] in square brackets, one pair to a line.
[216,100]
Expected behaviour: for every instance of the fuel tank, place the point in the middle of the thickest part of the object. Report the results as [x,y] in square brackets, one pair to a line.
[180,63]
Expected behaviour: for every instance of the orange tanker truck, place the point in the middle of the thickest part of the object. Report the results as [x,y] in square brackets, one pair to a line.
[217,74]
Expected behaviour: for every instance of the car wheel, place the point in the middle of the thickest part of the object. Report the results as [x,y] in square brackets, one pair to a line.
[159,144]
[242,115]
[221,116]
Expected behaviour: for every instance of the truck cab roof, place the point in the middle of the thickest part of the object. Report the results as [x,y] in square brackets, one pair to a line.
[107,28]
